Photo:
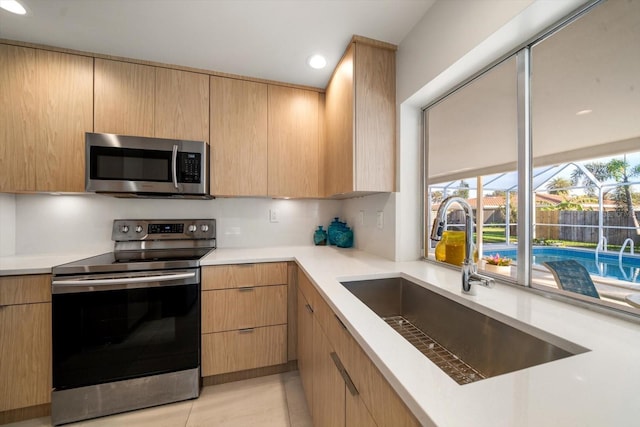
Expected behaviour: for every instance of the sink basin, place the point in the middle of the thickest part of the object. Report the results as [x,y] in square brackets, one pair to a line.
[464,343]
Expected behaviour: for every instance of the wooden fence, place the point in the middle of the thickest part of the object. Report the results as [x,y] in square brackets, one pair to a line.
[569,225]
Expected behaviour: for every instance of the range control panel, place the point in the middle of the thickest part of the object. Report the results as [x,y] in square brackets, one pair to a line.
[185,229]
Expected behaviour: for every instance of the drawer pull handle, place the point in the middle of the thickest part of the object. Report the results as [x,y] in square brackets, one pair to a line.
[246,289]
[340,322]
[246,330]
[309,308]
[344,374]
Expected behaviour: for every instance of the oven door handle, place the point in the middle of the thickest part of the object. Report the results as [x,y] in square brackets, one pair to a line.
[174,166]
[125,280]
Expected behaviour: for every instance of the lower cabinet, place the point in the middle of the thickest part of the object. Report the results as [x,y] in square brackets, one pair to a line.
[243,349]
[305,347]
[244,317]
[328,385]
[342,385]
[25,341]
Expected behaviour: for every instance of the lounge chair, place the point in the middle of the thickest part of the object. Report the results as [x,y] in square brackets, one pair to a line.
[572,276]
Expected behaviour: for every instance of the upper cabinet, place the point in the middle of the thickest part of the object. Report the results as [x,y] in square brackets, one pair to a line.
[124,98]
[238,137]
[45,109]
[182,105]
[141,100]
[264,139]
[293,146]
[360,121]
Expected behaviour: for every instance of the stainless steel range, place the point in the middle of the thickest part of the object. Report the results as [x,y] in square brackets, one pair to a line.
[126,324]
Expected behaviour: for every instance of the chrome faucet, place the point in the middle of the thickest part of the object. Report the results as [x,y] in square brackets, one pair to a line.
[470,274]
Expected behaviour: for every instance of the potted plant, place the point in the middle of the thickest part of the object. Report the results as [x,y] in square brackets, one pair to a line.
[497,264]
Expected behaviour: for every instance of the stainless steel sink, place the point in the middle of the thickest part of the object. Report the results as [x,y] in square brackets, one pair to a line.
[464,343]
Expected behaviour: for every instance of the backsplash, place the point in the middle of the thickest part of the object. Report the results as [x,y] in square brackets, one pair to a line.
[7,224]
[82,223]
[48,224]
[361,213]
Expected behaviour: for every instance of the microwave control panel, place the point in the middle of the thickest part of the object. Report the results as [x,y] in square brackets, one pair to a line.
[189,167]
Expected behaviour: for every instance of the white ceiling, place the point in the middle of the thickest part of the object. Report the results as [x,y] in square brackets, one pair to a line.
[269,39]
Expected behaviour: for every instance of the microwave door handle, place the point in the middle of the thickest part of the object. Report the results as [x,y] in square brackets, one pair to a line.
[174,166]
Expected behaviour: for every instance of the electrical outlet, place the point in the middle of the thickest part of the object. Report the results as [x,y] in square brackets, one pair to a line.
[361,219]
[274,215]
[380,220]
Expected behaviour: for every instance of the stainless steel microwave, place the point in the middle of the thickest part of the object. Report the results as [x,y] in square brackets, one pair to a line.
[139,166]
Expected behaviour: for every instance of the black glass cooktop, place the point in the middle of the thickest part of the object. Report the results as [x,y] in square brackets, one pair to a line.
[155,259]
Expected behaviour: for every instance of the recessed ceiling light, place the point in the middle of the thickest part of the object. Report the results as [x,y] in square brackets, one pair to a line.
[583,112]
[13,6]
[317,62]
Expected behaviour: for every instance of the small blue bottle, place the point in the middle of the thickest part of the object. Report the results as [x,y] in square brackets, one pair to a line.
[320,237]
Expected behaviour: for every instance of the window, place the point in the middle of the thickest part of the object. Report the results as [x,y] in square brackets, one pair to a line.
[585,159]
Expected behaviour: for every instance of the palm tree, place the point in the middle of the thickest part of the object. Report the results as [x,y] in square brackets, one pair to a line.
[599,171]
[559,186]
[621,171]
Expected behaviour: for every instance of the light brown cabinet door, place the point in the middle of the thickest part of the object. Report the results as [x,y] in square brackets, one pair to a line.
[305,348]
[19,114]
[340,128]
[181,105]
[293,142]
[233,351]
[361,122]
[229,309]
[25,355]
[328,385]
[66,85]
[375,124]
[124,98]
[45,109]
[356,413]
[238,137]
[385,406]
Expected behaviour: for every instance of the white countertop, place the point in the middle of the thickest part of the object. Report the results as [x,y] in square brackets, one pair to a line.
[36,264]
[598,388]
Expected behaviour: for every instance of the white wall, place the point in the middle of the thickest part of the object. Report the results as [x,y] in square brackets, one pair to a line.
[82,223]
[7,224]
[361,215]
[453,41]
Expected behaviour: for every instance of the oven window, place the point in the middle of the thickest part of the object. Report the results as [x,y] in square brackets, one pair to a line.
[126,164]
[106,336]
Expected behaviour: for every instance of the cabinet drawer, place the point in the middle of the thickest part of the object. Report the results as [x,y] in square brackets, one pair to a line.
[242,275]
[228,309]
[25,289]
[244,349]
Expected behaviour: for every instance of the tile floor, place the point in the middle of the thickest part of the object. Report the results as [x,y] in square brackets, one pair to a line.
[272,401]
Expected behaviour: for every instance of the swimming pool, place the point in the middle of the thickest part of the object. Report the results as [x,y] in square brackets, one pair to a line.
[608,265]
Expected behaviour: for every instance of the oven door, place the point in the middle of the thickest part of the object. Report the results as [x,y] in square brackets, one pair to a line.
[129,164]
[121,326]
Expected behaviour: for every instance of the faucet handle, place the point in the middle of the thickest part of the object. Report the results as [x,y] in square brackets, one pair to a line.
[479,279]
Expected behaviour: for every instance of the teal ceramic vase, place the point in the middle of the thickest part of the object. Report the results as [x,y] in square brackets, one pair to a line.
[320,237]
